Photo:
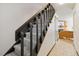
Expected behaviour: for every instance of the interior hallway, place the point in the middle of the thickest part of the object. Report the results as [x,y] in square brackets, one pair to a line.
[63,47]
[57,47]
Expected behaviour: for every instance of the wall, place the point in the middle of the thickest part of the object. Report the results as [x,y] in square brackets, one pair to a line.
[70,22]
[65,12]
[76,27]
[56,18]
[12,16]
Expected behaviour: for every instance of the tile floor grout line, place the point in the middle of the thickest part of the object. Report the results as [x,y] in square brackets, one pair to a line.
[52,48]
[75,50]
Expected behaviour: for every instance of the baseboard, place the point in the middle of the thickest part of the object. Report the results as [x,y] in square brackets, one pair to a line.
[76,49]
[51,48]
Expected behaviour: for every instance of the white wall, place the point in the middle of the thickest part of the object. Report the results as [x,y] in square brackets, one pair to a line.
[76,27]
[55,18]
[69,21]
[65,12]
[12,16]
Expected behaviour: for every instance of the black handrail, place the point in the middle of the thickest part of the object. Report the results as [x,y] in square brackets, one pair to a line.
[45,16]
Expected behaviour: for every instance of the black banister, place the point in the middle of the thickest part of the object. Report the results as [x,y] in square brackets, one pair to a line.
[44,16]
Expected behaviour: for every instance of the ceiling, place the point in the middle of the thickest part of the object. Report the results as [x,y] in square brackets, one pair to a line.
[64,10]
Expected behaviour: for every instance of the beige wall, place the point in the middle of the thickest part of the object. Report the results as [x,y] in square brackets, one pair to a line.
[76,27]
[12,16]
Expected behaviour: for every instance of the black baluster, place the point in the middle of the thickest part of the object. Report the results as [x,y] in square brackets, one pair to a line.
[41,27]
[31,26]
[50,13]
[37,34]
[22,44]
[51,10]
[48,16]
[44,24]
[45,20]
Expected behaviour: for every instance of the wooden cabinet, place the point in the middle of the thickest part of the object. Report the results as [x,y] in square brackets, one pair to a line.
[65,34]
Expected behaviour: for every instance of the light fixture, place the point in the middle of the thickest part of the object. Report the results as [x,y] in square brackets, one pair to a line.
[60,3]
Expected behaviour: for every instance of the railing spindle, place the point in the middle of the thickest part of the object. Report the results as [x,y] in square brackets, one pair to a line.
[31,26]
[41,27]
[22,44]
[45,20]
[37,34]
[48,15]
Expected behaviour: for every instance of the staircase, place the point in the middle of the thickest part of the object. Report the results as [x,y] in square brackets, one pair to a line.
[30,35]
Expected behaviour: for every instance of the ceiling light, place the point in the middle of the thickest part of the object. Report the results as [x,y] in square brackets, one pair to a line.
[60,3]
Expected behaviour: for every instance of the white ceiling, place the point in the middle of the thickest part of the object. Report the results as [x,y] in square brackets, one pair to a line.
[65,10]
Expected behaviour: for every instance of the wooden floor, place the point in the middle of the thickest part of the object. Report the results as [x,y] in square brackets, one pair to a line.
[63,48]
[52,47]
